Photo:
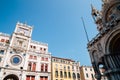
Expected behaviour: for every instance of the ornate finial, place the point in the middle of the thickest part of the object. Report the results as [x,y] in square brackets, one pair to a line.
[97,16]
[105,1]
[93,10]
[95,13]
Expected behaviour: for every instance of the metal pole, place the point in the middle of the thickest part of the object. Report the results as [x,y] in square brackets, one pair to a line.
[85,29]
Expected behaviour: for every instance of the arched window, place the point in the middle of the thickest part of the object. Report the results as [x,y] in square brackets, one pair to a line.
[42,67]
[32,77]
[46,78]
[56,73]
[114,47]
[61,74]
[69,74]
[46,67]
[34,67]
[41,77]
[29,78]
[74,76]
[65,74]
[78,75]
[29,66]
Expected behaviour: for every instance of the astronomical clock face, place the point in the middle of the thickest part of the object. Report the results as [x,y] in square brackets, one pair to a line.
[113,12]
[16,60]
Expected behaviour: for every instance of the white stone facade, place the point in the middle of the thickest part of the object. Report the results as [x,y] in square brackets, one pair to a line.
[87,73]
[22,58]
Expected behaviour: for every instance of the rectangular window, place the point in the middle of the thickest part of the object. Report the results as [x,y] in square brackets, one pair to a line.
[78,75]
[30,46]
[68,67]
[27,77]
[31,56]
[69,75]
[92,75]
[20,43]
[46,59]
[41,77]
[35,57]
[65,74]
[73,67]
[64,67]
[90,69]
[34,67]
[0,59]
[46,67]
[56,73]
[46,78]
[29,66]
[87,75]
[42,67]
[7,41]
[1,51]
[42,58]
[30,77]
[61,74]
[41,49]
[34,47]
[44,49]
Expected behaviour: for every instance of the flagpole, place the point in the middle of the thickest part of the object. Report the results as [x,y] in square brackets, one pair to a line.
[85,29]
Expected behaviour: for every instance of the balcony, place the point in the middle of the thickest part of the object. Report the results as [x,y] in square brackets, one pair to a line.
[19,48]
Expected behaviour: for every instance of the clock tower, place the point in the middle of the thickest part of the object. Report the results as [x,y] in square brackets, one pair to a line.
[104,49]
[15,57]
[22,58]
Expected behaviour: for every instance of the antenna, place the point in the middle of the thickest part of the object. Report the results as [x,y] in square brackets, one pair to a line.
[85,29]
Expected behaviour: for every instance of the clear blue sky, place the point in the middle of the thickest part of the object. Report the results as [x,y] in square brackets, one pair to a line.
[56,22]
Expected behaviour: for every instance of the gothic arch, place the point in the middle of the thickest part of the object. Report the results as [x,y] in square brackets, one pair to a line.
[112,43]
[114,47]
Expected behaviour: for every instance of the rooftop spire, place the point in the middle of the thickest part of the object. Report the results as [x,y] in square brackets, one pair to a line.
[105,1]
[93,10]
[95,13]
[97,16]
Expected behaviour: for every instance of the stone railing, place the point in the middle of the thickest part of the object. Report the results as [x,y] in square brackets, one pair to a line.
[39,43]
[4,34]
